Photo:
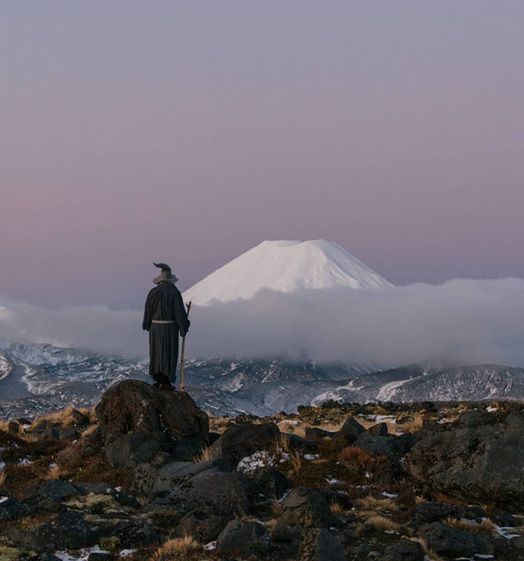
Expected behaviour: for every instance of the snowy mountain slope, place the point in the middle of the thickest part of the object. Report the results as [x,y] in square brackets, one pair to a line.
[44,378]
[285,266]
[5,367]
[426,383]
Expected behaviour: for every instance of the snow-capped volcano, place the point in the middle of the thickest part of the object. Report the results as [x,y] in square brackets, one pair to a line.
[285,266]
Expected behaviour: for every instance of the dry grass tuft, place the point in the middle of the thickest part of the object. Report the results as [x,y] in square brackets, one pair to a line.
[374,504]
[283,442]
[430,555]
[296,461]
[362,467]
[54,472]
[204,456]
[485,526]
[2,478]
[178,549]
[378,523]
[336,508]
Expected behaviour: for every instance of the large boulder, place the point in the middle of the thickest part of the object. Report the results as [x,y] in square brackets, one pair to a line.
[171,475]
[473,461]
[213,489]
[138,421]
[243,439]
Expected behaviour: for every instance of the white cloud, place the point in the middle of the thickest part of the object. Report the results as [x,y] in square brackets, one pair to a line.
[460,320]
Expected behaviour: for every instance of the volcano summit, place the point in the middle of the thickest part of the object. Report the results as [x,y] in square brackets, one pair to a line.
[285,266]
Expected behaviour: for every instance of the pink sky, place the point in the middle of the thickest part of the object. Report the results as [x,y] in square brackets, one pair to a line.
[189,132]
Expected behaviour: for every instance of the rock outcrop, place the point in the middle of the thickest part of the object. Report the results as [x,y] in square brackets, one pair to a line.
[478,458]
[139,421]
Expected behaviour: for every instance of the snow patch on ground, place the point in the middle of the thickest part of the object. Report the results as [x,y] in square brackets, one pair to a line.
[261,459]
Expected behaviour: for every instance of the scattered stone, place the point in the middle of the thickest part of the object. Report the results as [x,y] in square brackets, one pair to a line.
[58,490]
[302,508]
[455,542]
[321,545]
[202,524]
[11,509]
[350,431]
[242,539]
[405,550]
[269,482]
[380,428]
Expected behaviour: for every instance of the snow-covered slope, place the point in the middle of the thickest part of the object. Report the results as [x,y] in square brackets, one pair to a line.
[285,266]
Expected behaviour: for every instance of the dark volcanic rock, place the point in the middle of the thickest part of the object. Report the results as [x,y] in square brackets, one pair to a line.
[321,545]
[378,445]
[134,533]
[203,525]
[222,492]
[58,490]
[172,474]
[242,539]
[243,440]
[480,462]
[303,508]
[380,429]
[427,513]
[11,509]
[269,482]
[131,409]
[406,550]
[69,530]
[454,542]
[315,433]
[134,448]
[349,431]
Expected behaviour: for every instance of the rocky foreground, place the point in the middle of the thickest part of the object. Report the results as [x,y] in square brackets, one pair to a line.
[147,475]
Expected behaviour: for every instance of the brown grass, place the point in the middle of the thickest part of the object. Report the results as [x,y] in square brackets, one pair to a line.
[429,553]
[361,466]
[296,461]
[178,549]
[283,442]
[336,508]
[378,523]
[484,526]
[374,504]
[204,456]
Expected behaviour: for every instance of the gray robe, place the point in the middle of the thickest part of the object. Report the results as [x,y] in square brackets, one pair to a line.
[164,302]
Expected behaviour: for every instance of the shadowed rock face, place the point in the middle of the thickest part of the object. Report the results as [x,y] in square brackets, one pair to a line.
[477,458]
[138,421]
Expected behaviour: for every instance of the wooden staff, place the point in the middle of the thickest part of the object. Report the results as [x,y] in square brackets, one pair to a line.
[182,356]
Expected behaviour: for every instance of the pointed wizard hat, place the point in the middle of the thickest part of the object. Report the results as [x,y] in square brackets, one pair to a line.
[165,275]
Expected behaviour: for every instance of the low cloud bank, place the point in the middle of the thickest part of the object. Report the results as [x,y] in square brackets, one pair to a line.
[460,320]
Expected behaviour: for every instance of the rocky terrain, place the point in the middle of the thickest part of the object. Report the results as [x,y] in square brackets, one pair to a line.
[147,475]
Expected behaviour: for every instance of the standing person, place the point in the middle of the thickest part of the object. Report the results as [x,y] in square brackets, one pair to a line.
[165,318]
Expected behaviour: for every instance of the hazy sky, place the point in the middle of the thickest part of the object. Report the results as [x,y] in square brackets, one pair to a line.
[190,131]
